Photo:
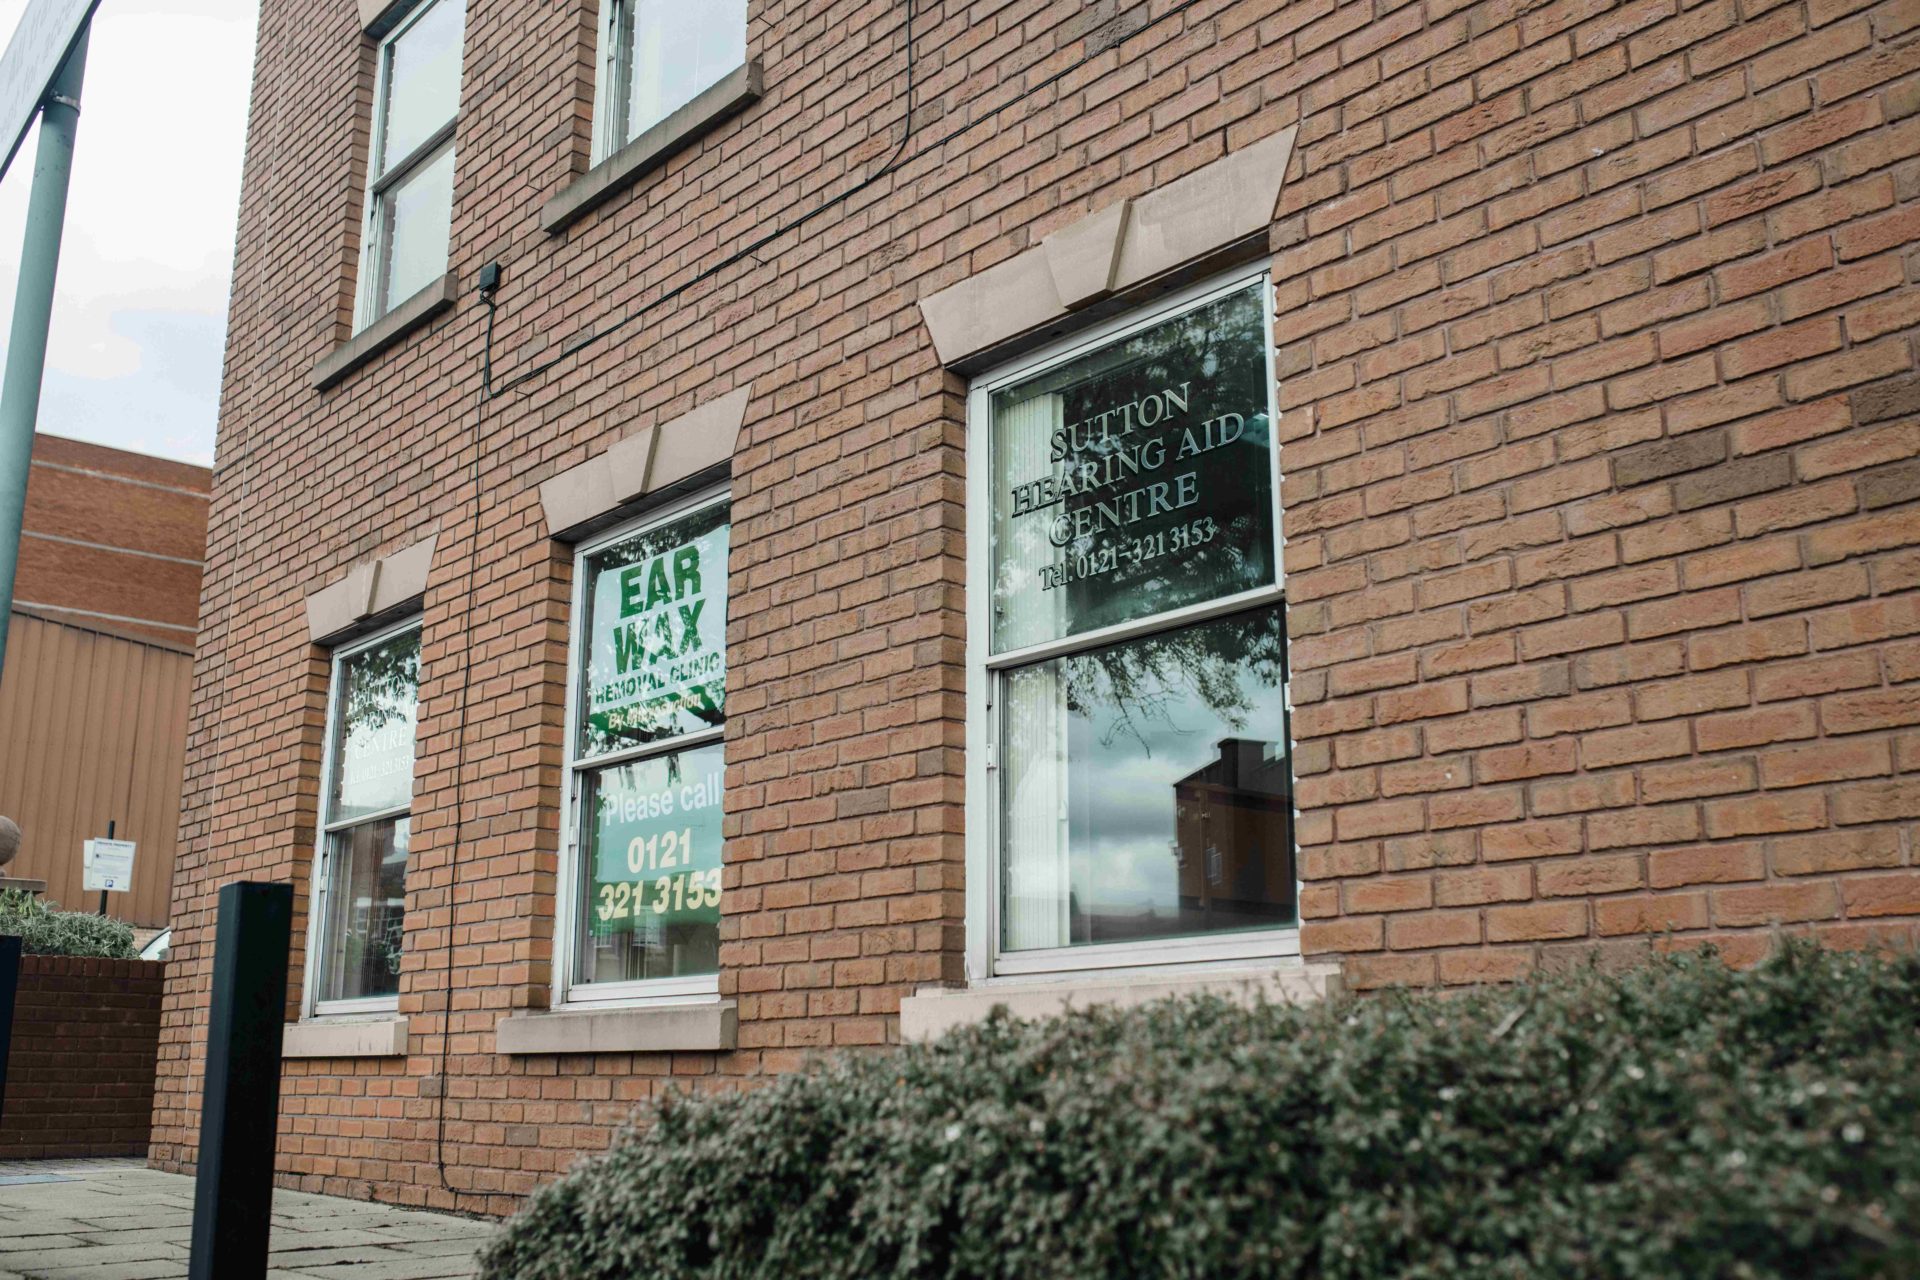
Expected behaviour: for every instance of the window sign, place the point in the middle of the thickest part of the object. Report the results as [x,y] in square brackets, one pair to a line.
[658,620]
[647,767]
[653,848]
[1134,479]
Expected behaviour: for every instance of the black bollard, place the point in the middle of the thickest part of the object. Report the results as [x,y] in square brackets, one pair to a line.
[9,990]
[240,1100]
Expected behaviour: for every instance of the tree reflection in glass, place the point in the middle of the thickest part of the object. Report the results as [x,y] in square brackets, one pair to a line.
[1147,789]
[367,821]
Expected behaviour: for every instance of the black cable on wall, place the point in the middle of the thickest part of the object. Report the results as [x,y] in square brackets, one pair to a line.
[489,390]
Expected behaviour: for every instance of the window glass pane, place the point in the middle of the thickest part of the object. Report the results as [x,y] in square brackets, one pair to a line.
[656,661]
[679,49]
[650,859]
[366,906]
[1135,479]
[423,80]
[416,217]
[373,739]
[1146,792]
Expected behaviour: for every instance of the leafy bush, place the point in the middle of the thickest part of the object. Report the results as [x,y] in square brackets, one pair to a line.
[49,931]
[1678,1120]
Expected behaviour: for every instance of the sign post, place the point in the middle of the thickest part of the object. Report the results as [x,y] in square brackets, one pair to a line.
[107,865]
[41,70]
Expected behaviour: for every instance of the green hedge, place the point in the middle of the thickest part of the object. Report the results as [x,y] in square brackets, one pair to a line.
[49,931]
[1679,1120]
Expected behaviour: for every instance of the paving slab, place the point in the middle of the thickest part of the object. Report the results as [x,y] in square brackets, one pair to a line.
[436,1248]
[402,1267]
[152,1269]
[26,1226]
[119,1220]
[326,1237]
[411,1232]
[311,1259]
[14,1256]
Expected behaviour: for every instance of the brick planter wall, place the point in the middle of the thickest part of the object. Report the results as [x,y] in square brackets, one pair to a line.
[80,1076]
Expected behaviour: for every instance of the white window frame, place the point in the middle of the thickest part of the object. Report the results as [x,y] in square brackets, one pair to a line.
[318,883]
[568,992]
[985,961]
[373,244]
[613,78]
[613,81]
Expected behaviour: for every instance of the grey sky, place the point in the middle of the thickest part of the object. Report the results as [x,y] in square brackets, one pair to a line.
[140,314]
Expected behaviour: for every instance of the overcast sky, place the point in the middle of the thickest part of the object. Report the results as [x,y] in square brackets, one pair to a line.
[140,313]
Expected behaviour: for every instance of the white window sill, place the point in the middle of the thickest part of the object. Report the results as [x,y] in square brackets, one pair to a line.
[406,316]
[668,1028]
[730,95]
[934,1010]
[346,1038]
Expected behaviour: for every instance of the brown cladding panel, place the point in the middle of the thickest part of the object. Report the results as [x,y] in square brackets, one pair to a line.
[92,730]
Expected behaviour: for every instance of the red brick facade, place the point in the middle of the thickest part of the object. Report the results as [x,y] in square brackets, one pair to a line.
[1594,336]
[113,540]
[80,1075]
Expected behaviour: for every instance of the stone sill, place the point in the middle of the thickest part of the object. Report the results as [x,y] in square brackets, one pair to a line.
[933,1010]
[728,96]
[356,1038]
[671,1028]
[405,317]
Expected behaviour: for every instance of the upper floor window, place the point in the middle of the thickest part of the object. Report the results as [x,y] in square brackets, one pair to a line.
[410,169]
[360,886]
[645,766]
[1130,799]
[658,55]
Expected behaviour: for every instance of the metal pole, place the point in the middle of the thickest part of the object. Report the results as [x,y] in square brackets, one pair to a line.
[9,990]
[33,309]
[103,892]
[240,1099]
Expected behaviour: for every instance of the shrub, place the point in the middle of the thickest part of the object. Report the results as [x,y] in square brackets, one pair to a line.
[49,931]
[1677,1120]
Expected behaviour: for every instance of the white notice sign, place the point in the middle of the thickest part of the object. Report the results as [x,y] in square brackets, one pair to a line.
[108,864]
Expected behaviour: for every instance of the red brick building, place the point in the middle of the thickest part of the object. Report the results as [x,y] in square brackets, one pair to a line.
[831,579]
[113,540]
[99,670]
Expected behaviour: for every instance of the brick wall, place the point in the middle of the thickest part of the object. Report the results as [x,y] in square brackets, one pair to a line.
[1595,344]
[80,1074]
[113,540]
[1599,338]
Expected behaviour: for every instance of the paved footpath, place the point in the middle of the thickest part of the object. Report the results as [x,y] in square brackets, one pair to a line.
[119,1220]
